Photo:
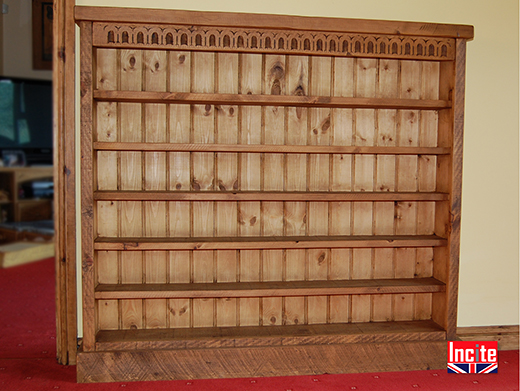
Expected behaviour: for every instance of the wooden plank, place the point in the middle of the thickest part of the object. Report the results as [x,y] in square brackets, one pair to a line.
[267,196]
[341,125]
[442,209]
[131,314]
[294,309]
[107,267]
[456,187]
[273,21]
[108,314]
[506,336]
[131,217]
[179,121]
[277,149]
[203,178]
[155,272]
[423,268]
[404,267]
[295,213]
[106,119]
[319,133]
[282,242]
[361,269]
[249,308]
[302,335]
[64,36]
[250,163]
[272,270]
[226,224]
[382,310]
[87,203]
[272,290]
[292,360]
[293,100]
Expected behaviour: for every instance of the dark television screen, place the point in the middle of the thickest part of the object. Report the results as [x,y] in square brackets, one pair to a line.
[26,118]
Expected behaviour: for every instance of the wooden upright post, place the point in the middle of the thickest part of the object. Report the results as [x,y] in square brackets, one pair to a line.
[64,180]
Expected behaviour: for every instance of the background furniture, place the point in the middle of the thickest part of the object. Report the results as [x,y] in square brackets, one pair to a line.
[24,209]
[267,195]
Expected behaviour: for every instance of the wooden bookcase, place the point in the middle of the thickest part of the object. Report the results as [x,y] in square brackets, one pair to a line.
[267,195]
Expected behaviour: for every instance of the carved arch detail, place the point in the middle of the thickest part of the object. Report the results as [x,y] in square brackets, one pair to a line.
[271,41]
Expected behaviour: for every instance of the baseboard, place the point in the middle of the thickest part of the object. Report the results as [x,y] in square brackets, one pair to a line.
[506,336]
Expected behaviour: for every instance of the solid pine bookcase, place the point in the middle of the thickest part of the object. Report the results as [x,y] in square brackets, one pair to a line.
[267,195]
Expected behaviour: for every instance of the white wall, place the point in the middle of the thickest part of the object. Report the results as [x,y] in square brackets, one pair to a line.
[489,244]
[17,41]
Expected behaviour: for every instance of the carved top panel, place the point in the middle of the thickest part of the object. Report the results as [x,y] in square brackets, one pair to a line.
[204,38]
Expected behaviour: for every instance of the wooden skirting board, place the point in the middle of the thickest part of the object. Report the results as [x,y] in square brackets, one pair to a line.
[506,336]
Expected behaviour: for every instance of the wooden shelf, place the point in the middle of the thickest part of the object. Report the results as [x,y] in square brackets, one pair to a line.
[268,100]
[319,334]
[256,242]
[266,148]
[265,196]
[268,289]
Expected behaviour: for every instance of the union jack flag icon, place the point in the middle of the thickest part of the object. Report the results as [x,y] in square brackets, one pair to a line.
[472,368]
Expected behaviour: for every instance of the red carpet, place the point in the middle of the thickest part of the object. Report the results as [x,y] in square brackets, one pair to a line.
[27,351]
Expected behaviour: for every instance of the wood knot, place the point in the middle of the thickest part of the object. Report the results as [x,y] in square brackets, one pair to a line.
[195,185]
[182,58]
[157,66]
[132,62]
[273,320]
[231,111]
[252,222]
[299,91]
[277,71]
[178,186]
[326,125]
[276,89]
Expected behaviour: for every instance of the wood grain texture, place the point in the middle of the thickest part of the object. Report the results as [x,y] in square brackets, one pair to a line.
[216,337]
[290,361]
[456,187]
[273,100]
[272,21]
[272,148]
[206,289]
[280,242]
[64,177]
[506,336]
[87,203]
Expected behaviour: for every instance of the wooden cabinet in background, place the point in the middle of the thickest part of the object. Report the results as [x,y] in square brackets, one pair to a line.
[14,208]
[267,195]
